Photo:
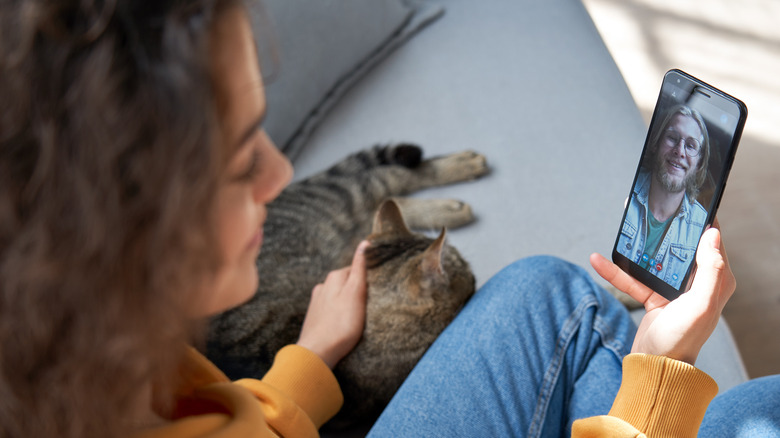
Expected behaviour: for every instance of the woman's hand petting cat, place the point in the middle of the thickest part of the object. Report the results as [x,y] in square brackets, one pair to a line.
[678,329]
[336,315]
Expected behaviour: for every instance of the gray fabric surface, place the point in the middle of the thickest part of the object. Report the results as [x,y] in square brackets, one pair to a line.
[324,47]
[532,86]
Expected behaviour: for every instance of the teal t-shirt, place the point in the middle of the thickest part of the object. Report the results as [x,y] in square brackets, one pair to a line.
[655,233]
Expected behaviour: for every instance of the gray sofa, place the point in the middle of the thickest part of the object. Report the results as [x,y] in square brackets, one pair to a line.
[529,84]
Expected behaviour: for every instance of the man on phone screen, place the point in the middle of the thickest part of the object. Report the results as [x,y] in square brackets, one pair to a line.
[664,219]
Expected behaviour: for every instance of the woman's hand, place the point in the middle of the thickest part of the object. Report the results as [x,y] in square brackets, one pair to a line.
[678,329]
[337,312]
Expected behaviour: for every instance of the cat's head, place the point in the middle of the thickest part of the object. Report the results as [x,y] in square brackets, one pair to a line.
[416,286]
[411,275]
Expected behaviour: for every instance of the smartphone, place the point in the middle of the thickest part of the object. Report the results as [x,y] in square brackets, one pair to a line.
[679,182]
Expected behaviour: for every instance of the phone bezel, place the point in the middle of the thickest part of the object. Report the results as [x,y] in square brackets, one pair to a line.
[653,282]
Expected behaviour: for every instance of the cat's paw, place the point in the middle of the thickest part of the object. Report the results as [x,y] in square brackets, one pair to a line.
[433,214]
[461,166]
[473,164]
[453,213]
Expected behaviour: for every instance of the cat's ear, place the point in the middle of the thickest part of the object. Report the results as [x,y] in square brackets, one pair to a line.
[388,219]
[431,259]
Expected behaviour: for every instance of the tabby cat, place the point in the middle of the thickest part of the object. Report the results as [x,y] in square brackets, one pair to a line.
[416,284]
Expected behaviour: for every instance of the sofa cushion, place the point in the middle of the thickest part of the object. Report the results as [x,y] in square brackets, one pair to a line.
[324,47]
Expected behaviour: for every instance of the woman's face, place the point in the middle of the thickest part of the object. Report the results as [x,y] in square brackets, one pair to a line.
[256,171]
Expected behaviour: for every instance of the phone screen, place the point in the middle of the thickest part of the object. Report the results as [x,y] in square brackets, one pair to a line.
[688,153]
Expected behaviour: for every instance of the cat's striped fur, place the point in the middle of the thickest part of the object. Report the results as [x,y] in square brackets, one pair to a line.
[416,284]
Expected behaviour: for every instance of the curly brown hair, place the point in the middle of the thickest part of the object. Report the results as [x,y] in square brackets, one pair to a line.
[108,164]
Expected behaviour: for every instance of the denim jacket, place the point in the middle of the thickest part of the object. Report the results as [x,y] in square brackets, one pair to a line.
[678,247]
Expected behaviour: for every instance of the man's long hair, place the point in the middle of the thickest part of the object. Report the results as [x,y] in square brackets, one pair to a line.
[700,176]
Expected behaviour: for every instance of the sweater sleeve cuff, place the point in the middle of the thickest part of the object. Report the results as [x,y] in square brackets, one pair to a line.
[307,380]
[662,396]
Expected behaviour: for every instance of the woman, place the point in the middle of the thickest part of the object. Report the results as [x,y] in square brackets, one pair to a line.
[134,173]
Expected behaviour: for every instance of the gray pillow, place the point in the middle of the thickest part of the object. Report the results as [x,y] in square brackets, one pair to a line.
[324,47]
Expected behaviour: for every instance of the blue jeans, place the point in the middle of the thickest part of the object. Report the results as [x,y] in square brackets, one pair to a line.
[537,347]
[749,410]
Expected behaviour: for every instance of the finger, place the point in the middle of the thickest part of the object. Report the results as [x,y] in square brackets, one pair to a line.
[359,259]
[722,248]
[711,265]
[357,272]
[729,282]
[625,283]
[338,277]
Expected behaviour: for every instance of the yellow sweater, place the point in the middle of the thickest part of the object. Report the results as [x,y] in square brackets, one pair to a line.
[659,397]
[297,396]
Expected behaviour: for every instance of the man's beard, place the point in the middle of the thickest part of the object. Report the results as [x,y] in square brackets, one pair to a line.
[669,184]
[672,185]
